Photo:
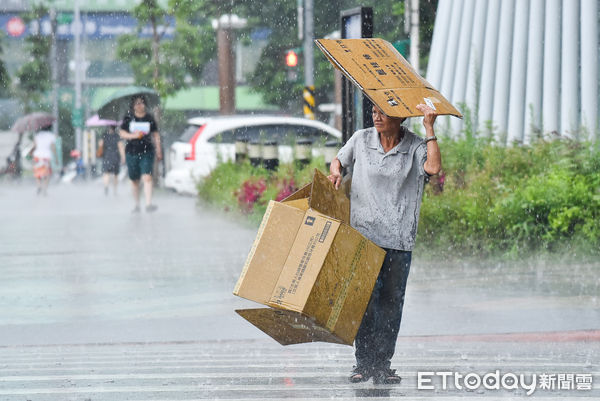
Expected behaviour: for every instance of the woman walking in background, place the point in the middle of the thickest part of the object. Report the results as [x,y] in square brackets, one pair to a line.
[140,131]
[112,151]
[44,149]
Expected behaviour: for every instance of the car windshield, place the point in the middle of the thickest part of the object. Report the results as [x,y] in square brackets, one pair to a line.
[188,133]
[283,134]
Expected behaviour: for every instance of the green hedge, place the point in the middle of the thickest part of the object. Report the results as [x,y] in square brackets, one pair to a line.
[515,200]
[222,188]
[496,200]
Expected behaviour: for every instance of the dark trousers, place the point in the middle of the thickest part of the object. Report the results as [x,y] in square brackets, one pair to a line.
[375,341]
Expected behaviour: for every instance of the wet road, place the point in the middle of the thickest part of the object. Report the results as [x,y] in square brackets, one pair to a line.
[101,304]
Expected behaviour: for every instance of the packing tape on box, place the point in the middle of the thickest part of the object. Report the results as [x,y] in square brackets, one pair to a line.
[341,298]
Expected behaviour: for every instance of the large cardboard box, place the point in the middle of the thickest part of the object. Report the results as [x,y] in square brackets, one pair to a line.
[314,271]
[384,76]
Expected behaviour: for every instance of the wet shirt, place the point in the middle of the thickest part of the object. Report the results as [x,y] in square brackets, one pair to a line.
[387,188]
[143,145]
[43,144]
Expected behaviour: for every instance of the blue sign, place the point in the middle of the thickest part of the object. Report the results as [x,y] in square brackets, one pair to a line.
[93,26]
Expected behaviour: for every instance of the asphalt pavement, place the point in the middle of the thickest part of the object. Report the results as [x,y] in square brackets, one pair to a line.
[99,303]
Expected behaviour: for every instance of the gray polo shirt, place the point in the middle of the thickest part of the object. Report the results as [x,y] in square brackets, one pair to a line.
[387,188]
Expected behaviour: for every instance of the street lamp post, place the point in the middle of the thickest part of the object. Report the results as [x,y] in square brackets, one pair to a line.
[225,26]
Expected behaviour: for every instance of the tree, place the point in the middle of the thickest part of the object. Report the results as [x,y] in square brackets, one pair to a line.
[269,78]
[33,78]
[4,75]
[167,65]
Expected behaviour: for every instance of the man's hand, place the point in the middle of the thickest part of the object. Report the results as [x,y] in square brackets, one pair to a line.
[429,115]
[335,176]
[336,180]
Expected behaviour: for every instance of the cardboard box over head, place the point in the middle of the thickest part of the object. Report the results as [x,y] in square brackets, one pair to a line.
[384,76]
[314,271]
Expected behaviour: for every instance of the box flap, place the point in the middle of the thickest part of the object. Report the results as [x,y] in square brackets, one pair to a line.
[301,204]
[303,192]
[287,327]
[304,262]
[380,71]
[327,200]
[269,252]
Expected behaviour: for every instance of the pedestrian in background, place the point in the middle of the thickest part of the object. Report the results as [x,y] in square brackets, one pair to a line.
[44,149]
[390,164]
[112,151]
[140,131]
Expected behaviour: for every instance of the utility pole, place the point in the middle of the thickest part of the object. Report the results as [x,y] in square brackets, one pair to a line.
[309,82]
[225,26]
[77,112]
[54,71]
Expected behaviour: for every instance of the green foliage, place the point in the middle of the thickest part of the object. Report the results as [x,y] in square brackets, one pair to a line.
[194,43]
[515,200]
[166,64]
[222,187]
[67,132]
[34,76]
[269,78]
[497,201]
[5,80]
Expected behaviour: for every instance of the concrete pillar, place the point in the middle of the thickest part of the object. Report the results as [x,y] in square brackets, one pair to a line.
[488,67]
[475,60]
[451,51]
[438,43]
[569,98]
[518,73]
[589,67]
[503,64]
[551,91]
[462,61]
[535,68]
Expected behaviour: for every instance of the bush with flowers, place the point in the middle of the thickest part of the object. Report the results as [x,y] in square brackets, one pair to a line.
[495,200]
[247,190]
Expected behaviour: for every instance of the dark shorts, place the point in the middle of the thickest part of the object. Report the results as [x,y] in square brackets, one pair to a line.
[138,164]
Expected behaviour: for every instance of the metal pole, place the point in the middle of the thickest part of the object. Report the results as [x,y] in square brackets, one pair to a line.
[300,10]
[54,71]
[309,83]
[77,26]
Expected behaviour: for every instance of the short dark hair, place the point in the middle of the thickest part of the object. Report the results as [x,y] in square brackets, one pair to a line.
[136,97]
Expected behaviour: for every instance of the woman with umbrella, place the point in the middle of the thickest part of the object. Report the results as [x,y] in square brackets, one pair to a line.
[140,131]
[44,149]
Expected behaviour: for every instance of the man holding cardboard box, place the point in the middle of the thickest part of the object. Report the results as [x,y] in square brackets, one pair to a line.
[389,167]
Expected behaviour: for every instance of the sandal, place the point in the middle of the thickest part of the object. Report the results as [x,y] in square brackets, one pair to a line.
[386,376]
[359,374]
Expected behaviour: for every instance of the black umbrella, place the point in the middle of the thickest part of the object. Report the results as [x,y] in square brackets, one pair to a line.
[116,105]
[32,122]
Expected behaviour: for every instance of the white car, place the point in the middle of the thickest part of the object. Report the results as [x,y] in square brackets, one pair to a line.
[206,141]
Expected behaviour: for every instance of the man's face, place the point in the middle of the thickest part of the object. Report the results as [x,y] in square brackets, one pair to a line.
[384,124]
